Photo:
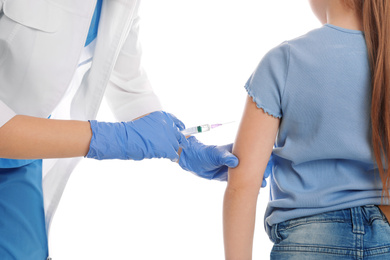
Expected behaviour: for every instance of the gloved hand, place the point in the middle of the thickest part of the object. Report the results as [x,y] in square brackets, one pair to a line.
[210,161]
[207,161]
[268,171]
[153,136]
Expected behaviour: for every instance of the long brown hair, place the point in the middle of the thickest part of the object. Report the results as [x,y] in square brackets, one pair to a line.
[375,15]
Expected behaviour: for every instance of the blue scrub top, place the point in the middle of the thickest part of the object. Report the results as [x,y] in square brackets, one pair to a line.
[22,216]
[93,28]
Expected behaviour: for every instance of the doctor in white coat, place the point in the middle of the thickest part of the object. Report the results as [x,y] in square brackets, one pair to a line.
[58,58]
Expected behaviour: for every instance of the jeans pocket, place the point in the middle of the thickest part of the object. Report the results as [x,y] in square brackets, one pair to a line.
[321,233]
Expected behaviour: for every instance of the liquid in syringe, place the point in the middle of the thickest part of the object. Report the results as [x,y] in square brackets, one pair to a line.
[201,128]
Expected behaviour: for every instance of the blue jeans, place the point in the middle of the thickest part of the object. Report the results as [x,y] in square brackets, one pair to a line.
[355,233]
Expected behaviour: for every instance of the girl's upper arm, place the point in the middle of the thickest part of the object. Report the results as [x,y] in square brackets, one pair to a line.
[253,147]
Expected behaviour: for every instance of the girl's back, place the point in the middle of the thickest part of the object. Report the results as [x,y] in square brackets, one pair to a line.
[320,84]
[324,97]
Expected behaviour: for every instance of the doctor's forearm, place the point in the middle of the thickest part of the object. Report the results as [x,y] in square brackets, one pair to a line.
[25,137]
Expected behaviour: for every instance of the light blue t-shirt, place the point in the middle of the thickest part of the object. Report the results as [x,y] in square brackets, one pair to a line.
[319,85]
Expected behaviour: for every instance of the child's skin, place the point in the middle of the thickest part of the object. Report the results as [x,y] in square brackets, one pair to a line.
[336,13]
[253,147]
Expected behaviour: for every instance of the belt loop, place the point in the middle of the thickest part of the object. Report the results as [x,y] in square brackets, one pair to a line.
[275,234]
[357,220]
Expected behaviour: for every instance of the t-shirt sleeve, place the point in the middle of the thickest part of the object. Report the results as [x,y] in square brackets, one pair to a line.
[267,82]
[6,113]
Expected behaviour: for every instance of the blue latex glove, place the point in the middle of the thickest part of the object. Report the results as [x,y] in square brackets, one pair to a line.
[153,136]
[268,170]
[210,161]
[207,161]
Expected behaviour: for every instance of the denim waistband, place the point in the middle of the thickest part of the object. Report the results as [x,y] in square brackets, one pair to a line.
[359,217]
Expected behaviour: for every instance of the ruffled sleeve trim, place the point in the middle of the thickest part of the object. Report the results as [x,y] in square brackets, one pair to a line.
[260,105]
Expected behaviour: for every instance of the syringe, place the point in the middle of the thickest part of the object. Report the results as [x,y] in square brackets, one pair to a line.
[200,128]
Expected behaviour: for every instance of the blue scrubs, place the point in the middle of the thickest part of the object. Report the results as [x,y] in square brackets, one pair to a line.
[93,29]
[22,218]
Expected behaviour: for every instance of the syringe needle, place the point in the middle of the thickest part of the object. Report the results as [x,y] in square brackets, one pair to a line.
[217,125]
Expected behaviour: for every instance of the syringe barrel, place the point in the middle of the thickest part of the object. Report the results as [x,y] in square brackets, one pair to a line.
[196,129]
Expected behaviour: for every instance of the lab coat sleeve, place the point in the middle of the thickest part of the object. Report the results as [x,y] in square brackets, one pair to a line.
[129,93]
[6,113]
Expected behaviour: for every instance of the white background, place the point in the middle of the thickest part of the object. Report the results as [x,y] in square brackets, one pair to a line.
[198,55]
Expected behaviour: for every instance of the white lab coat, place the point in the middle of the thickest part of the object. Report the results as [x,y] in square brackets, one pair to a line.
[40,46]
